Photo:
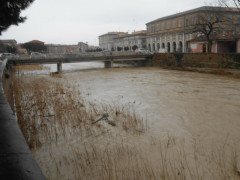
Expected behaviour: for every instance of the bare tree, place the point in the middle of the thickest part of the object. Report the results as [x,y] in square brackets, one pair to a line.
[237,3]
[230,3]
[208,23]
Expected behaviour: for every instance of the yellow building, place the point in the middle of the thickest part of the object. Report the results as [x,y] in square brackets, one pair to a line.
[174,33]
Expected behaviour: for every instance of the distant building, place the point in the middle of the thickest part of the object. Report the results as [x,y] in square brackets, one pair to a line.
[93,48]
[106,41]
[9,42]
[127,42]
[175,32]
[82,47]
[61,49]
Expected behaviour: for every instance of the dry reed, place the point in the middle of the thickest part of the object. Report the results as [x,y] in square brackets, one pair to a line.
[58,125]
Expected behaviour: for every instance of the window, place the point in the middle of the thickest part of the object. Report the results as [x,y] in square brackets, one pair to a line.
[162,26]
[195,20]
[180,23]
[229,19]
[174,24]
[209,18]
[219,19]
[187,36]
[153,28]
[168,25]
[238,19]
[180,36]
[158,27]
[149,28]
[187,22]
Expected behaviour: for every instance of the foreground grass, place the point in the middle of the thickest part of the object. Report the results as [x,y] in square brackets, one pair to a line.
[59,126]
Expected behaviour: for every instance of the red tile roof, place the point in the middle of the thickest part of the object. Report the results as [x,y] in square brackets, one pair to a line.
[36,41]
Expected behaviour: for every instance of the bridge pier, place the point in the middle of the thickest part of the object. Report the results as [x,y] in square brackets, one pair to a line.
[107,64]
[140,63]
[59,67]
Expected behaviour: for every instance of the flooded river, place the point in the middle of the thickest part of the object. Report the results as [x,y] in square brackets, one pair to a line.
[181,103]
[195,107]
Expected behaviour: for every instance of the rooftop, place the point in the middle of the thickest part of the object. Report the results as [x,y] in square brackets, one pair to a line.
[114,33]
[200,9]
[36,41]
[135,33]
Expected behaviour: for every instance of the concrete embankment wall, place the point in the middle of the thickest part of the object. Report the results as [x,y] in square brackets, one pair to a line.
[231,61]
[16,159]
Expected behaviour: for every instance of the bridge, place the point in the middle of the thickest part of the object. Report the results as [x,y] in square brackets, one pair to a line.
[140,60]
[17,161]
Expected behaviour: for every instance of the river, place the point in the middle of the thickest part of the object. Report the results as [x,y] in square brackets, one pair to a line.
[192,106]
[196,104]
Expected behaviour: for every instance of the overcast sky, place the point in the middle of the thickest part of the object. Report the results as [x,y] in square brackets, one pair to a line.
[73,21]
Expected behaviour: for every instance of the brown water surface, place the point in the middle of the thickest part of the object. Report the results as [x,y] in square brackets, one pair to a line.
[192,111]
[180,103]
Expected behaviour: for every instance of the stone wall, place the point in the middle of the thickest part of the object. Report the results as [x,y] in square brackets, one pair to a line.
[200,60]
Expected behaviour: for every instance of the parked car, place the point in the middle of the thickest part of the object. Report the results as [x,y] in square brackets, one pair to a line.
[37,54]
[141,51]
[69,54]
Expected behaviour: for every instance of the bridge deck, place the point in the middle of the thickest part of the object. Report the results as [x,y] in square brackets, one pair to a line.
[55,60]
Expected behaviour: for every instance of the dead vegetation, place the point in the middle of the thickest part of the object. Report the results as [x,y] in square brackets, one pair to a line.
[61,129]
[29,67]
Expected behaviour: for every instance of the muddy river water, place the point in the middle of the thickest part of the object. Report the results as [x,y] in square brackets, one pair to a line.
[181,103]
[188,105]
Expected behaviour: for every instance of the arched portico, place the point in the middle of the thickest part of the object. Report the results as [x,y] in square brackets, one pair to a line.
[163,45]
[158,46]
[149,47]
[168,47]
[174,48]
[180,46]
[154,47]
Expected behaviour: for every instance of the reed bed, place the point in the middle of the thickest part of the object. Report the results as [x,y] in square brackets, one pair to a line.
[29,67]
[61,129]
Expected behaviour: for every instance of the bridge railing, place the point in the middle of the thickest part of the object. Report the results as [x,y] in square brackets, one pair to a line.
[87,54]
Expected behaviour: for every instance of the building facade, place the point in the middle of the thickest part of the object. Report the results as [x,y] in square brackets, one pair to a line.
[106,41]
[174,33]
[130,42]
[83,47]
[120,41]
[61,49]
[10,42]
